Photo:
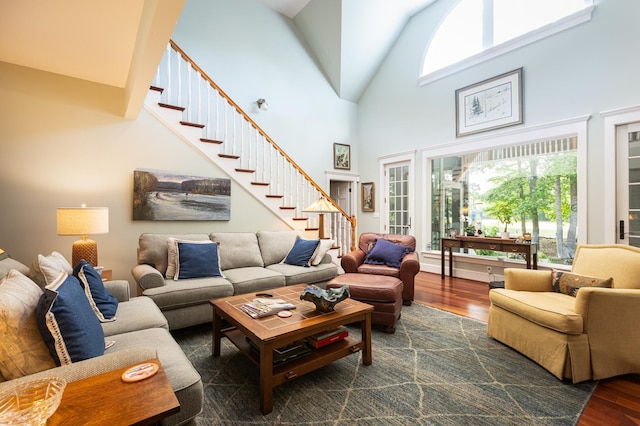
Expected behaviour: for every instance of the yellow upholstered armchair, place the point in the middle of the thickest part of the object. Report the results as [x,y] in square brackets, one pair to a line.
[593,335]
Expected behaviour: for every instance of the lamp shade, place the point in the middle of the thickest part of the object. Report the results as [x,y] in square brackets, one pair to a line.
[321,206]
[83,220]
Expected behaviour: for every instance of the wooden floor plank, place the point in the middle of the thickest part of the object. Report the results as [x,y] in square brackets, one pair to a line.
[615,401]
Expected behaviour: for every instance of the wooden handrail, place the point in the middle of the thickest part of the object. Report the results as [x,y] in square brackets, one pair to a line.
[258,128]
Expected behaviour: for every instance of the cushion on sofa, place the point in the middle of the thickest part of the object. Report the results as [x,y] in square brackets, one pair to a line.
[548,309]
[299,274]
[138,313]
[569,282]
[102,303]
[238,249]
[172,253]
[197,260]
[46,269]
[22,350]
[323,248]
[7,264]
[274,245]
[248,280]
[301,252]
[68,325]
[385,252]
[152,248]
[184,293]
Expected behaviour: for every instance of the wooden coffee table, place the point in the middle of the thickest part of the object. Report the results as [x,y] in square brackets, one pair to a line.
[105,399]
[274,332]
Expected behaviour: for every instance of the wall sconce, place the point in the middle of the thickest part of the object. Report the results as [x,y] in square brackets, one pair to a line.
[83,221]
[262,104]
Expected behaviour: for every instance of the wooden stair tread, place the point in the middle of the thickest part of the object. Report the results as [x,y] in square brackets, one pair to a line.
[156,88]
[260,183]
[274,196]
[245,170]
[287,207]
[176,107]
[233,157]
[188,123]
[205,140]
[299,218]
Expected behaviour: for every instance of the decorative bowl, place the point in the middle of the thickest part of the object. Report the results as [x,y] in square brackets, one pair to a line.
[31,403]
[325,300]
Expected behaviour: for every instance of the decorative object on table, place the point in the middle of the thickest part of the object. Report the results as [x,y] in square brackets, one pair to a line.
[325,300]
[489,104]
[170,196]
[31,403]
[83,221]
[453,232]
[341,156]
[321,206]
[368,197]
[140,372]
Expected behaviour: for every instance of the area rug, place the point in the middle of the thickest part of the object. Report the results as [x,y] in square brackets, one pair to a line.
[437,369]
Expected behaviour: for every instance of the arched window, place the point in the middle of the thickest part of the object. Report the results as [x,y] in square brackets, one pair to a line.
[477,30]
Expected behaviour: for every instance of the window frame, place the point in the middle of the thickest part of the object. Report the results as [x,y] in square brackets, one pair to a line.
[570,127]
[569,21]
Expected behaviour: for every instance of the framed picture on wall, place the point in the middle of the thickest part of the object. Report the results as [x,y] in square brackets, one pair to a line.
[489,104]
[368,197]
[341,156]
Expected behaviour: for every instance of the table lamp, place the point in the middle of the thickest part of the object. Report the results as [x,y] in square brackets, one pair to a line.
[83,221]
[321,206]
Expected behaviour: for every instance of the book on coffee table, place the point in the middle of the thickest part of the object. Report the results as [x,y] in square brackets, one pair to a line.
[327,337]
[263,307]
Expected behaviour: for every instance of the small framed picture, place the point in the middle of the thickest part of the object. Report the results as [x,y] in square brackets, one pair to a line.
[341,156]
[368,197]
[489,104]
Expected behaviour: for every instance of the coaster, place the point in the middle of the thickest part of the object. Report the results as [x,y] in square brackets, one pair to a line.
[284,314]
[140,372]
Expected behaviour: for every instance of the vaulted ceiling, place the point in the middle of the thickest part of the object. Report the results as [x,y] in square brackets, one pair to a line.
[119,43]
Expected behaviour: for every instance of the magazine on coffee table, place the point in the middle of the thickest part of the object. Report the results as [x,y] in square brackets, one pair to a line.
[263,307]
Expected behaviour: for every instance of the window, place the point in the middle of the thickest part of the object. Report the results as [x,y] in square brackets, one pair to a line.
[477,30]
[528,188]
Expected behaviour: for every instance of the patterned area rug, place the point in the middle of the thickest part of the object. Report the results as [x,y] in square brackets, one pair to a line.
[437,369]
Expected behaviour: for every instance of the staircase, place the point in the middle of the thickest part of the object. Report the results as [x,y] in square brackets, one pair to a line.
[203,116]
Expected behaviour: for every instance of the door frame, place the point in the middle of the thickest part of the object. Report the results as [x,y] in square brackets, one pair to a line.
[613,119]
[382,190]
[352,178]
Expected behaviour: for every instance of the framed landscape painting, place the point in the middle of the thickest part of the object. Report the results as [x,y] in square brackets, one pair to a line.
[489,104]
[171,196]
[368,197]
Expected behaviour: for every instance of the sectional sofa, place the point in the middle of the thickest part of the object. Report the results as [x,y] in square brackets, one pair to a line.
[247,262]
[140,332]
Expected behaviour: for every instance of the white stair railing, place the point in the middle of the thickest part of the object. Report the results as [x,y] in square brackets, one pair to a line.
[241,148]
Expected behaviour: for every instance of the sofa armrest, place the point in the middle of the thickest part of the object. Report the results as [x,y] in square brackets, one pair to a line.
[352,260]
[90,367]
[119,289]
[147,277]
[611,318]
[527,280]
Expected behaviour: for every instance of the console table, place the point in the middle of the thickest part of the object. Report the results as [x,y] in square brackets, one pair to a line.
[529,250]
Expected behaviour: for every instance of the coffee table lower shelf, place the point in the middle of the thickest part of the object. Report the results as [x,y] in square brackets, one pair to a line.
[304,364]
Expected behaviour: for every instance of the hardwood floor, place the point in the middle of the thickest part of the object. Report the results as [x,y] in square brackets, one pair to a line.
[615,401]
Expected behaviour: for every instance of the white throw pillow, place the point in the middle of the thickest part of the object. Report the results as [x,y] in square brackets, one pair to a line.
[322,249]
[22,351]
[46,269]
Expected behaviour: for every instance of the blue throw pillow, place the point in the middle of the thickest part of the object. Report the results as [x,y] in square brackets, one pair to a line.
[68,325]
[387,253]
[197,261]
[103,304]
[301,252]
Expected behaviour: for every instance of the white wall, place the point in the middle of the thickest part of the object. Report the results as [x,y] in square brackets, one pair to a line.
[585,70]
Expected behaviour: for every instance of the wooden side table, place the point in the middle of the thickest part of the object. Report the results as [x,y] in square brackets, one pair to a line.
[107,275]
[106,400]
[530,251]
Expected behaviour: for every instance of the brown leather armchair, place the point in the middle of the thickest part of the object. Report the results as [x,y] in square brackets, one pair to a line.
[353,262]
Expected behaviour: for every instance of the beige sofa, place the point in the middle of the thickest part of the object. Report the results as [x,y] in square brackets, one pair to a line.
[140,333]
[593,335]
[250,262]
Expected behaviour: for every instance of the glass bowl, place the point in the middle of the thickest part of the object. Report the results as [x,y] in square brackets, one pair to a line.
[31,403]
